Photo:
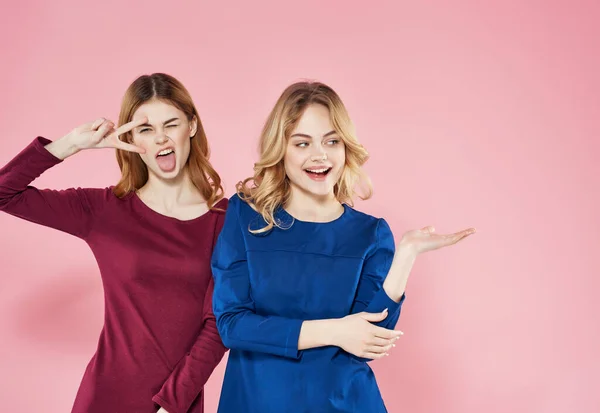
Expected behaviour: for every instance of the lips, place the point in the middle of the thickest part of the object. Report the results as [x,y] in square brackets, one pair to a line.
[165,152]
[319,171]
[318,174]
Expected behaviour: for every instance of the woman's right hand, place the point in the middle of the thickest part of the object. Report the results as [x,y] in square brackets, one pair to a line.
[356,335]
[92,135]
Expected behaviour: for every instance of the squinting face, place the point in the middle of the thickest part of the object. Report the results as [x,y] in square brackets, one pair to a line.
[166,138]
[315,154]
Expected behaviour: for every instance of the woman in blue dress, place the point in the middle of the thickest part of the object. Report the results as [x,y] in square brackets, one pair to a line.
[308,289]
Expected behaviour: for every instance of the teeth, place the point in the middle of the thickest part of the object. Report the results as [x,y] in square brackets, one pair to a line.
[165,152]
[318,171]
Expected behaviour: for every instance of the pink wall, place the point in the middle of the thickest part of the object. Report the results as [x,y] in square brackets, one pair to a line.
[475,115]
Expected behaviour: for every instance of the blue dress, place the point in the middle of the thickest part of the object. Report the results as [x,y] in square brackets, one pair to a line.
[266,285]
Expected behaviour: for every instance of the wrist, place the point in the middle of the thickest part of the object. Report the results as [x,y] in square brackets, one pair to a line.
[317,333]
[69,144]
[397,278]
[406,252]
[406,249]
[330,331]
[62,148]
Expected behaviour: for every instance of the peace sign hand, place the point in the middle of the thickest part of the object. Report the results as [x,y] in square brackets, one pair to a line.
[102,134]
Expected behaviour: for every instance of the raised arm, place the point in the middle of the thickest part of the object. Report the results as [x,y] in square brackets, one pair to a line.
[68,210]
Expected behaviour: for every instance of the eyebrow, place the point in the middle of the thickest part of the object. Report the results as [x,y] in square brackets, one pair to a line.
[303,135]
[164,123]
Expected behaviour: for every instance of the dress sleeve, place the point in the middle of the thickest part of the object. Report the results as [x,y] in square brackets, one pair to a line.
[238,323]
[370,295]
[70,210]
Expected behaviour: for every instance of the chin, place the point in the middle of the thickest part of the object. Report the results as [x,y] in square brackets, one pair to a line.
[319,191]
[167,175]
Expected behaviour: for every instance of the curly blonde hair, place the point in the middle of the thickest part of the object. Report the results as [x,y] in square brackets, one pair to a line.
[269,188]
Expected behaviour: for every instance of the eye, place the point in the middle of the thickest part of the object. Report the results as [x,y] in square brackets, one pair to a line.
[333,142]
[143,130]
[172,126]
[302,144]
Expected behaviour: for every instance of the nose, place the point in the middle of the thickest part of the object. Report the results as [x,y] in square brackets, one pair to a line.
[318,154]
[160,138]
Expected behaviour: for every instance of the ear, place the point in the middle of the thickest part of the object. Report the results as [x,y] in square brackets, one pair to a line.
[193,127]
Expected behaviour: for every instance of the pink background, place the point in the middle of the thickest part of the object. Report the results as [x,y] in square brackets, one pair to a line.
[475,115]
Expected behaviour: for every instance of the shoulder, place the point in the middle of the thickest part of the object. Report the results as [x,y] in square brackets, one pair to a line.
[364,221]
[373,230]
[246,216]
[241,207]
[218,211]
[234,200]
[221,206]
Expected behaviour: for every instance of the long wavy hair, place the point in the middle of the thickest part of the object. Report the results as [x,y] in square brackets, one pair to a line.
[134,172]
[269,188]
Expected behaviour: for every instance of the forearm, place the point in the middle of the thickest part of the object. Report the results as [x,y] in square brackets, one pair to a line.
[62,148]
[395,282]
[243,329]
[320,333]
[316,333]
[191,373]
[17,176]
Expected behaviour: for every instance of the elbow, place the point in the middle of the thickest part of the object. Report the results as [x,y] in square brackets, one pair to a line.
[6,196]
[3,198]
[227,343]
[223,334]
[230,326]
[3,204]
[225,324]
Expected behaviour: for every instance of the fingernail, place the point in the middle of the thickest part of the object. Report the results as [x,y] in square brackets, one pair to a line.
[385,311]
[393,345]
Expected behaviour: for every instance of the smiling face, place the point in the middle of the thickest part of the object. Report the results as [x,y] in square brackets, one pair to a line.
[166,138]
[315,154]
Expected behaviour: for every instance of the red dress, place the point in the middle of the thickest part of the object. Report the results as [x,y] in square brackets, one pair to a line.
[159,343]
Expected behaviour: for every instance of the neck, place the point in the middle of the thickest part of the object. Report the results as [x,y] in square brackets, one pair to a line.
[313,208]
[172,192]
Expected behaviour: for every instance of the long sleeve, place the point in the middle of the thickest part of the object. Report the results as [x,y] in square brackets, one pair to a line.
[370,295]
[189,376]
[238,323]
[67,210]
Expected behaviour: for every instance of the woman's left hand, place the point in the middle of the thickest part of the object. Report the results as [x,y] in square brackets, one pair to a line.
[423,240]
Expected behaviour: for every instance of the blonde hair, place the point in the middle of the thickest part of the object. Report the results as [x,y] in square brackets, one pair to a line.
[134,172]
[269,188]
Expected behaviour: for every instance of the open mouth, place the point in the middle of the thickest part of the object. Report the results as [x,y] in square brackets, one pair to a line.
[166,159]
[318,173]
[166,152]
